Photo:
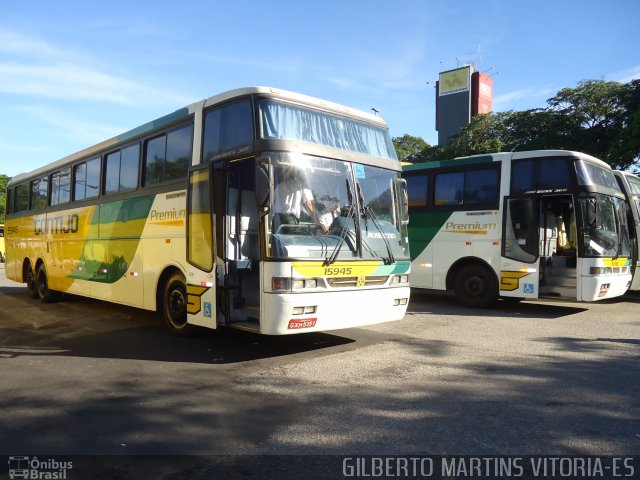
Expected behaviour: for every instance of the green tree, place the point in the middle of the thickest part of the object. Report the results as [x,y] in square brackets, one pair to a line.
[603,113]
[483,134]
[4,179]
[536,129]
[408,147]
[625,147]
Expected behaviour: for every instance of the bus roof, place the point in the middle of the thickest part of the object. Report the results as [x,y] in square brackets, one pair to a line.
[501,156]
[622,173]
[183,114]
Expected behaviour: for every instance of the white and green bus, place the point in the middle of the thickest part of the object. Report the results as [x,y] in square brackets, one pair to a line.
[630,185]
[521,225]
[181,215]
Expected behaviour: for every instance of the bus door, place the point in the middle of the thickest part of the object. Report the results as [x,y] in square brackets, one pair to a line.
[520,260]
[242,289]
[201,278]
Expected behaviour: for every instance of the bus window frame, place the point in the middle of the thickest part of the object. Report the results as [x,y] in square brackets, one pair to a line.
[103,172]
[142,181]
[10,200]
[85,161]
[27,185]
[493,205]
[570,187]
[240,151]
[424,206]
[59,204]
[39,179]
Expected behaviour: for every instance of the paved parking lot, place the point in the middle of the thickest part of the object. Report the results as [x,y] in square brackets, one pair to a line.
[88,377]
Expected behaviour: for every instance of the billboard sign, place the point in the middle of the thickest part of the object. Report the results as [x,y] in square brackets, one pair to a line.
[482,93]
[455,81]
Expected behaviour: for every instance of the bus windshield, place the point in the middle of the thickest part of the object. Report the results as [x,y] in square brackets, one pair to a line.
[289,122]
[326,209]
[591,174]
[606,230]
[634,184]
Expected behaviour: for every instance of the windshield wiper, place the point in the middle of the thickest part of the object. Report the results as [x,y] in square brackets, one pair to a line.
[343,233]
[366,208]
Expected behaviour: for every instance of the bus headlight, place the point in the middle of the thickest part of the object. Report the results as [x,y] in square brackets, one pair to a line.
[301,283]
[397,279]
[600,271]
[287,284]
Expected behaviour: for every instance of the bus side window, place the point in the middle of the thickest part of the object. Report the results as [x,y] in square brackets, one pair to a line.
[60,186]
[227,129]
[86,179]
[10,200]
[448,189]
[417,186]
[21,202]
[168,156]
[39,193]
[122,169]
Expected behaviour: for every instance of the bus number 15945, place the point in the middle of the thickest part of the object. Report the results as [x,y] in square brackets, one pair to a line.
[329,271]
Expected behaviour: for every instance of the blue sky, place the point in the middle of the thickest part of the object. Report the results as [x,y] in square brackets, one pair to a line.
[75,73]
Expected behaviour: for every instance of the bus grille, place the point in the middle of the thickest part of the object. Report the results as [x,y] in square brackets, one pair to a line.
[352,282]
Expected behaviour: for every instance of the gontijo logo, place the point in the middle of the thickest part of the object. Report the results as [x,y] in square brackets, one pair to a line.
[60,224]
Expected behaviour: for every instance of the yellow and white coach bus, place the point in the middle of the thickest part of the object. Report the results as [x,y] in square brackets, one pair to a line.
[522,225]
[258,209]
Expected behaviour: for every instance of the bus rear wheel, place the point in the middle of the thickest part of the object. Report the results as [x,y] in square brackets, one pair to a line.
[30,280]
[476,286]
[174,305]
[45,294]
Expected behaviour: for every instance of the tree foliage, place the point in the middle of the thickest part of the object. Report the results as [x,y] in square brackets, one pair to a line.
[3,195]
[596,117]
[408,147]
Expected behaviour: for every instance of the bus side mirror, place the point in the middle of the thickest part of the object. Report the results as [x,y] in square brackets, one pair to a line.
[404,201]
[264,182]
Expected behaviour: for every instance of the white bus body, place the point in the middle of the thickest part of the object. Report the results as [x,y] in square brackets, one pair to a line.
[521,225]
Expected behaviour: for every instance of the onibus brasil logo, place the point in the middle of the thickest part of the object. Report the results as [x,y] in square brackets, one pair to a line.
[32,468]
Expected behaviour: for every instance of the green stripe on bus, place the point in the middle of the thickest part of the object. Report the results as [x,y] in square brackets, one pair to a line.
[423,227]
[161,122]
[115,233]
[448,163]
[124,210]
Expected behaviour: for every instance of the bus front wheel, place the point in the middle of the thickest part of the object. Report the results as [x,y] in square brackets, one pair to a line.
[45,294]
[476,286]
[174,305]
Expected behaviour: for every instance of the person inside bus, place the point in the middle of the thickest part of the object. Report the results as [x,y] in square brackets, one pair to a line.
[328,211]
[291,195]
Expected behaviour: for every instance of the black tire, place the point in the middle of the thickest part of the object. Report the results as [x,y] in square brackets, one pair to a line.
[476,286]
[30,280]
[174,305]
[45,294]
